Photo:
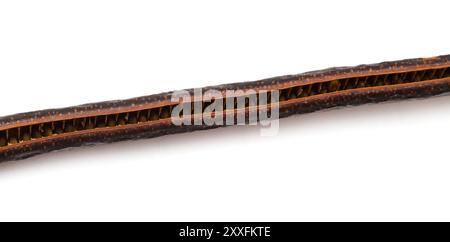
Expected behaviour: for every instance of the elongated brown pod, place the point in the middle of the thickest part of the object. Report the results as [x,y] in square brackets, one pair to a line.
[28,134]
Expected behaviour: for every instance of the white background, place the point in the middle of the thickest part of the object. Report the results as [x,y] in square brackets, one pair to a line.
[374,162]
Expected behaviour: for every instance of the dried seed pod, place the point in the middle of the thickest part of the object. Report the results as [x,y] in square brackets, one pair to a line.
[28,134]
